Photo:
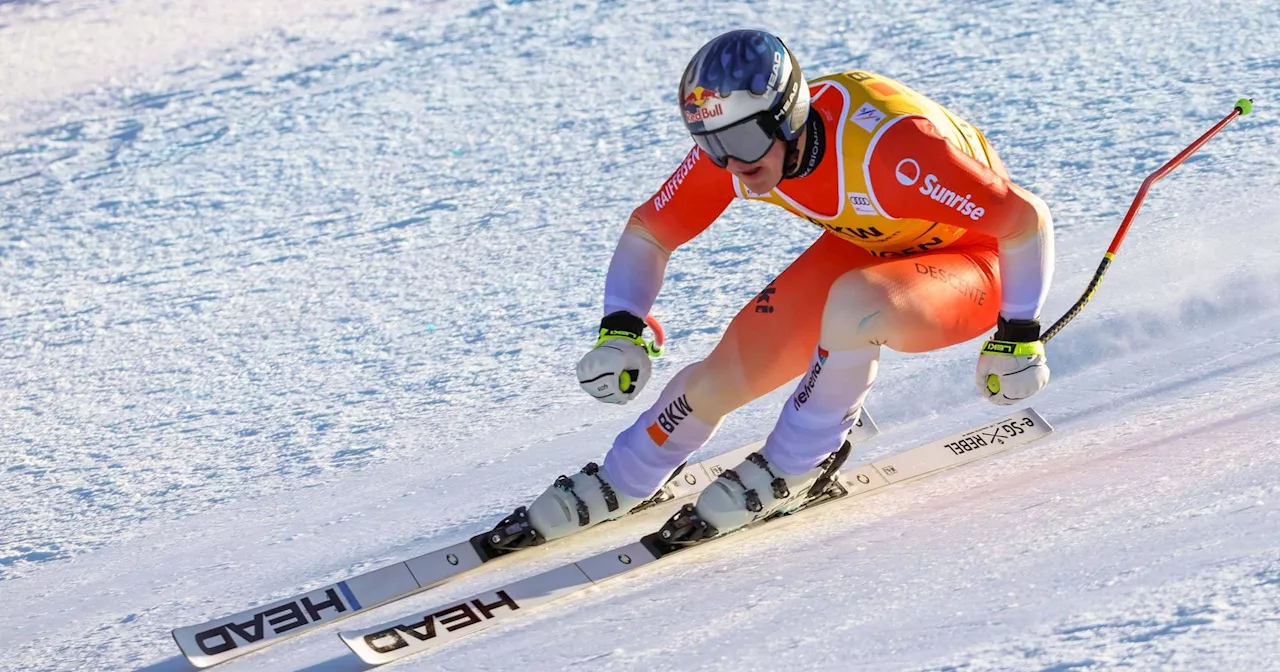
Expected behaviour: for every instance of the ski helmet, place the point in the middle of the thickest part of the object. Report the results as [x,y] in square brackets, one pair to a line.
[741,91]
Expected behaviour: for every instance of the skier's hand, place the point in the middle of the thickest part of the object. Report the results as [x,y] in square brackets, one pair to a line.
[618,367]
[1012,365]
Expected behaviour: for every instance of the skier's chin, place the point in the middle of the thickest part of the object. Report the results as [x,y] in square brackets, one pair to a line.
[759,179]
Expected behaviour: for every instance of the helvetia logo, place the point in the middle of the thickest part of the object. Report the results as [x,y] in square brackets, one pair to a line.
[805,392]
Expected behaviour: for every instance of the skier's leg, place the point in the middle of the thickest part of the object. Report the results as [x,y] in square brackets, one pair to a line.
[823,408]
[913,305]
[766,345]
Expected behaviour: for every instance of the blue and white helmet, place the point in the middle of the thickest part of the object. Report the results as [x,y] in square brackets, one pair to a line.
[741,91]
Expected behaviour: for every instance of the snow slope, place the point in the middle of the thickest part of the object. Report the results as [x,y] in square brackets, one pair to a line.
[294,291]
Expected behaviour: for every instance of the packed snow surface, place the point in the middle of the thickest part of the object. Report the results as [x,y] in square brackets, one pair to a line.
[291,291]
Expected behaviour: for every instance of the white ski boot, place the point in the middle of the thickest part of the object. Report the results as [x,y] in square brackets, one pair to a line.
[578,502]
[753,491]
[571,504]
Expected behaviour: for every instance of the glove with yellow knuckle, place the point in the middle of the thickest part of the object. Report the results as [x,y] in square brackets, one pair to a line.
[617,368]
[1012,365]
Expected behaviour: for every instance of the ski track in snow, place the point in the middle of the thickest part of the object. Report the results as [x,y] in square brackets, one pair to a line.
[291,292]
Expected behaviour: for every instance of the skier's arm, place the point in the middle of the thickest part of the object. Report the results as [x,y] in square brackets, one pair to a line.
[635,272]
[617,368]
[688,202]
[916,173]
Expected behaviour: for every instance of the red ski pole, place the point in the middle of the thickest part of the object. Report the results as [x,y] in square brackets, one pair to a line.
[659,335]
[1243,107]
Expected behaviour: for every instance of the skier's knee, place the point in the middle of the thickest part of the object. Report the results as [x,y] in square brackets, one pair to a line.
[855,312]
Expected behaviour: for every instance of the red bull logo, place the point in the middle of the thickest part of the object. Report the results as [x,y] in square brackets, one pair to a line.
[699,97]
[695,105]
[703,114]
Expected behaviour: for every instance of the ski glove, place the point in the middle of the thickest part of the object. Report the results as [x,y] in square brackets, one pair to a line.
[1012,365]
[618,367]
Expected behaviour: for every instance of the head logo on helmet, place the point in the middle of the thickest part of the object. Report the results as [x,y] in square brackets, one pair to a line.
[777,69]
[785,109]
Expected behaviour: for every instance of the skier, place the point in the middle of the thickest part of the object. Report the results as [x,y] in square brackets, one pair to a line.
[926,243]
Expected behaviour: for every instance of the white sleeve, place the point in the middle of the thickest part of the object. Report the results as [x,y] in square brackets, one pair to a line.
[1025,272]
[635,276]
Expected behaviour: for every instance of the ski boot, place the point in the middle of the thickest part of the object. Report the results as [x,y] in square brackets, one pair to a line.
[571,504]
[750,492]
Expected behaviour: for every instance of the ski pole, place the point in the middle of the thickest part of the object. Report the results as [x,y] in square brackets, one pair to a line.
[1243,106]
[654,348]
[659,335]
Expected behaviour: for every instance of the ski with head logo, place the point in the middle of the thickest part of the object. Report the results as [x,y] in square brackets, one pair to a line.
[439,626]
[228,637]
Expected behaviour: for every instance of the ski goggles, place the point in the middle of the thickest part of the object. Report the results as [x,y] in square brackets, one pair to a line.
[747,140]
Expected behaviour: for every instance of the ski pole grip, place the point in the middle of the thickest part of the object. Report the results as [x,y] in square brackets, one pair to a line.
[626,380]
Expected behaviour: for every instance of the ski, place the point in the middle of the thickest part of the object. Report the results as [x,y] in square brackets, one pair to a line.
[437,627]
[222,639]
